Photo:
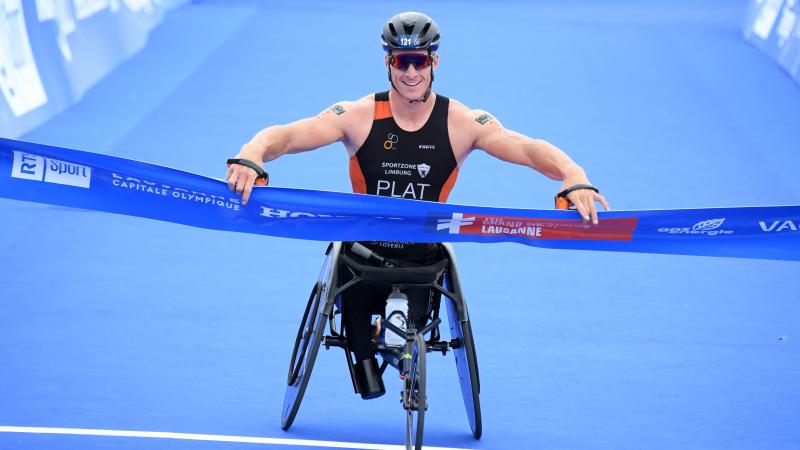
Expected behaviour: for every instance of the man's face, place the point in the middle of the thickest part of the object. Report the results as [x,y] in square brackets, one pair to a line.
[411,81]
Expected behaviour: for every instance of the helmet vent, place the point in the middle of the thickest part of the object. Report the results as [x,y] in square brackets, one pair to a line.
[425,28]
[408,28]
[391,28]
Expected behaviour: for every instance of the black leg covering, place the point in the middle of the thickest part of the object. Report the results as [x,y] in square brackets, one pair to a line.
[368,378]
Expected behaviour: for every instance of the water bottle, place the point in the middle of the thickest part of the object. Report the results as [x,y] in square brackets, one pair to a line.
[396,314]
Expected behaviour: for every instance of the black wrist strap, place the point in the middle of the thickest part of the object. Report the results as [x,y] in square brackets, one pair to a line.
[576,187]
[261,173]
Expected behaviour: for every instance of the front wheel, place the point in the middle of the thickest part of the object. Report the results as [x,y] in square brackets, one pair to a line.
[414,396]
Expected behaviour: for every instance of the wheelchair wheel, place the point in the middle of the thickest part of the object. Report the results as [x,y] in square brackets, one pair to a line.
[415,400]
[306,346]
[303,334]
[467,366]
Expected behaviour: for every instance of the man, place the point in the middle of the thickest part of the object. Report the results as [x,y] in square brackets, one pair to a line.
[408,142]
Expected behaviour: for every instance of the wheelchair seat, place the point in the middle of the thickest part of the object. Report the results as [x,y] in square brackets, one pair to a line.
[396,275]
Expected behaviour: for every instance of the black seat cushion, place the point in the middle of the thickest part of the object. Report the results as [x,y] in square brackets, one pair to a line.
[397,275]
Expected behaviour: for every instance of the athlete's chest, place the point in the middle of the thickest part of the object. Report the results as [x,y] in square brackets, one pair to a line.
[414,165]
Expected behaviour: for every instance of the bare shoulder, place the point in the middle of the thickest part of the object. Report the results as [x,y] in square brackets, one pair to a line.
[471,119]
[349,116]
[365,104]
[457,110]
[470,128]
[466,127]
[346,110]
[353,118]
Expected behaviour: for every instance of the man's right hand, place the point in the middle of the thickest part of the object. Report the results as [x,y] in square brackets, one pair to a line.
[242,178]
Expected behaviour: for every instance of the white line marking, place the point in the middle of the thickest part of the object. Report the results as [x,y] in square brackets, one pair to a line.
[208,437]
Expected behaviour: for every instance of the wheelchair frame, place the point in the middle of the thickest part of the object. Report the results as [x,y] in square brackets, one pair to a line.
[318,315]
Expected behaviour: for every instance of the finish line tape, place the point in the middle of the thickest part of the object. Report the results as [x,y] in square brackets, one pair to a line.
[65,177]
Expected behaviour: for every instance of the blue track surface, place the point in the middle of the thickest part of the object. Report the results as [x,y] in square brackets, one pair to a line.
[113,322]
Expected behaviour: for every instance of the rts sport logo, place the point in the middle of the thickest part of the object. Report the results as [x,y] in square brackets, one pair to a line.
[532,228]
[28,166]
[708,227]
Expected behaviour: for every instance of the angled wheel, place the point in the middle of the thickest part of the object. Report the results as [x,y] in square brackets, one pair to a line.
[303,340]
[415,400]
[467,365]
[306,346]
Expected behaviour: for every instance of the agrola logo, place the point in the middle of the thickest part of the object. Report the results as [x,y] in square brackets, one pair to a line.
[708,227]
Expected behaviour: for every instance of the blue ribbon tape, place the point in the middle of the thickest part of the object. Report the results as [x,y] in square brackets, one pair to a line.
[65,177]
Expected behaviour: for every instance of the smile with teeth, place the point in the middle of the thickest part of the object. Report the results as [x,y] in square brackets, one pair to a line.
[411,84]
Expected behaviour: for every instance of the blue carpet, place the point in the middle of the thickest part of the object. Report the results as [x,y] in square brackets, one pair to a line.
[123,323]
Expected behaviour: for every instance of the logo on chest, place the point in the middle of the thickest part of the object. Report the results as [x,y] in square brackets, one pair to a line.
[391,140]
[405,169]
[423,169]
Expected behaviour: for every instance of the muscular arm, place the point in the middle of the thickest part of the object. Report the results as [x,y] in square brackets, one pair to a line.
[334,124]
[517,148]
[542,156]
[306,134]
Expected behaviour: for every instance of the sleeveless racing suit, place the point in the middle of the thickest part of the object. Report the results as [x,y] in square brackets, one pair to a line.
[393,162]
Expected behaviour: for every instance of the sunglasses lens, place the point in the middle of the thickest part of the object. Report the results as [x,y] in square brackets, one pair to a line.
[421,61]
[402,61]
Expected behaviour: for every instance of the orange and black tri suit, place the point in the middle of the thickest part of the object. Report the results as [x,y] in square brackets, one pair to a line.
[393,162]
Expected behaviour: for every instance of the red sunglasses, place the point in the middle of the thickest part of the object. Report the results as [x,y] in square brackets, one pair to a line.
[401,61]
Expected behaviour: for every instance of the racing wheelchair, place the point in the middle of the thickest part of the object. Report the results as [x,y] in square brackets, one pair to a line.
[320,327]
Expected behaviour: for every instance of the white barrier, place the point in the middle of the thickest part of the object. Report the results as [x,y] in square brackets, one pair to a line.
[53,51]
[773,27]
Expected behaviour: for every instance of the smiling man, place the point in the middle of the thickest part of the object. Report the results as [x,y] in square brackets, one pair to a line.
[407,142]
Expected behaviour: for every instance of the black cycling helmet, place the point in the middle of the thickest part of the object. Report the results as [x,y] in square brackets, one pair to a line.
[410,31]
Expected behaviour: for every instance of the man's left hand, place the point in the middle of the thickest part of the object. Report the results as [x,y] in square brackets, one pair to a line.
[584,200]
